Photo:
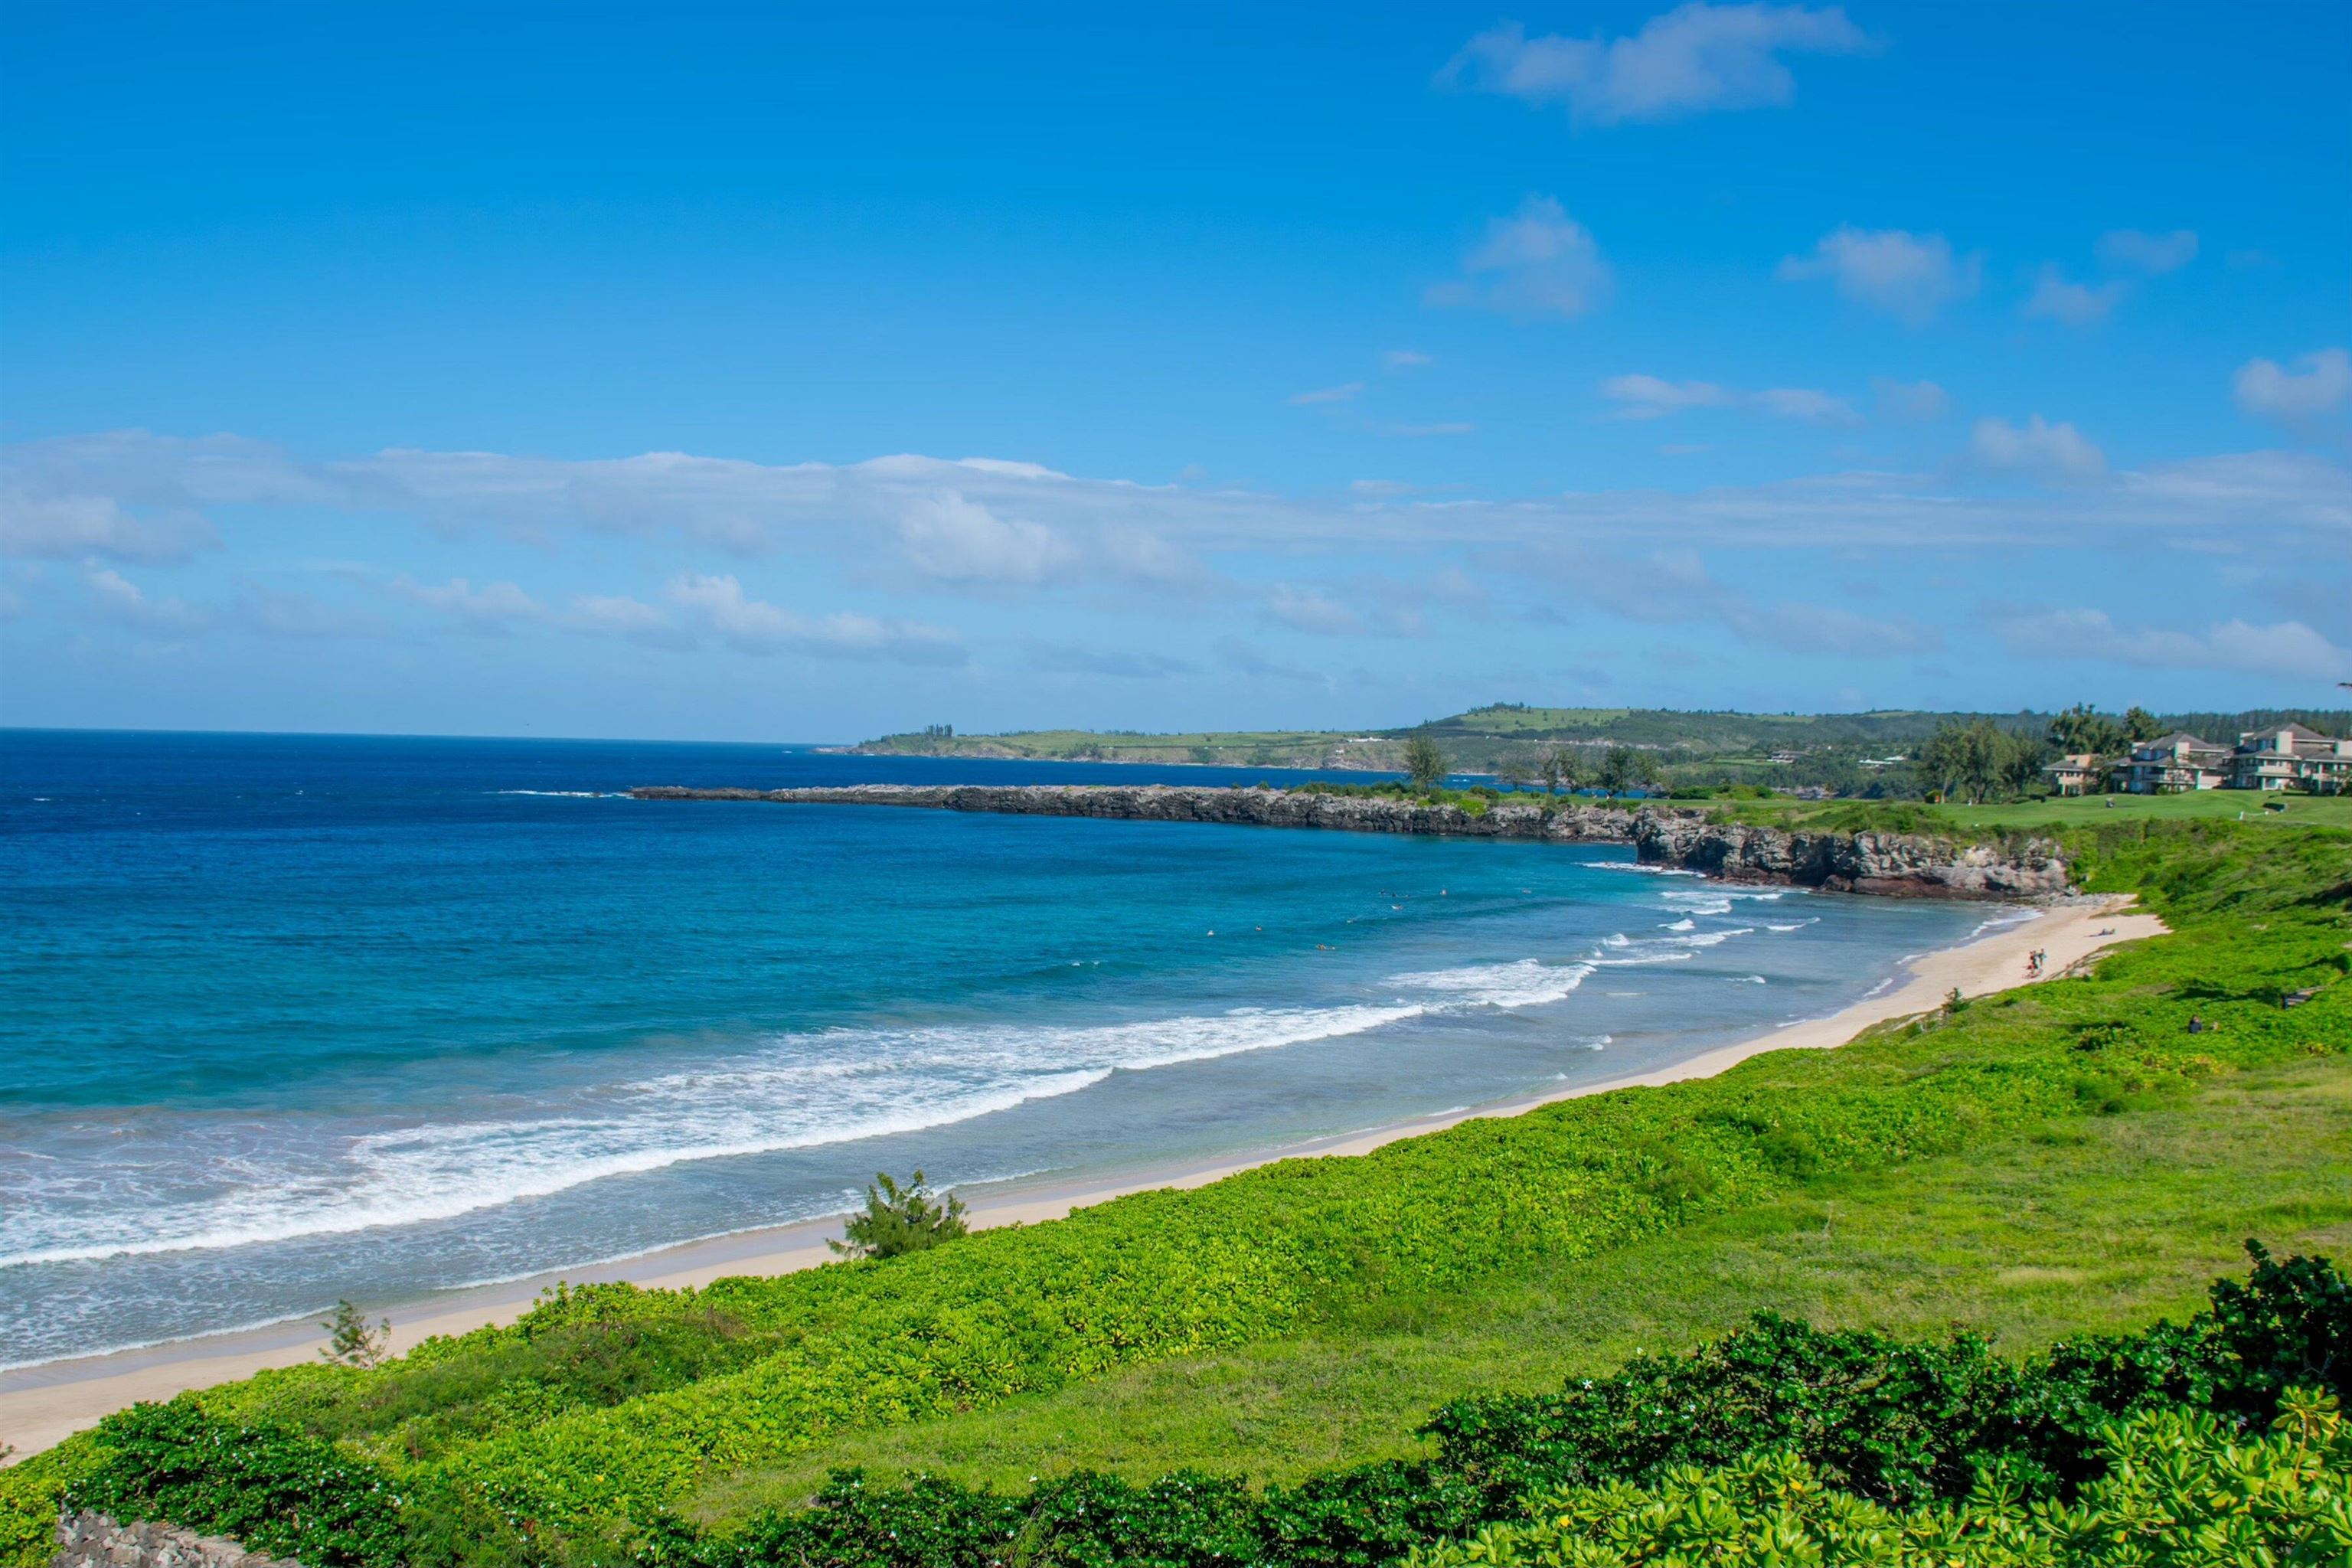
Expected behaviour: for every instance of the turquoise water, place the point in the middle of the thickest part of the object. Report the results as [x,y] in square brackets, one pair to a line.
[285,1019]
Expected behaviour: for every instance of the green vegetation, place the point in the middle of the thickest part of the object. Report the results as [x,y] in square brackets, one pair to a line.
[1424,762]
[2177,1488]
[351,1340]
[899,1220]
[587,1430]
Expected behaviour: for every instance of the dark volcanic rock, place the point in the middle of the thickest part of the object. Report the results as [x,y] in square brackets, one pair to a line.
[1667,835]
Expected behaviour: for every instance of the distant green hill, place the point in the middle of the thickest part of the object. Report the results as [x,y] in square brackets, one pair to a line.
[1848,752]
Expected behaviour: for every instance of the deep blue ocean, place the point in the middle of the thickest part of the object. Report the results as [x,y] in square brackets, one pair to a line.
[290,1019]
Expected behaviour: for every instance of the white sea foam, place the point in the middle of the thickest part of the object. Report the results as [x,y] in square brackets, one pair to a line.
[569,794]
[1753,980]
[1524,984]
[1792,925]
[1645,869]
[792,1092]
[1686,923]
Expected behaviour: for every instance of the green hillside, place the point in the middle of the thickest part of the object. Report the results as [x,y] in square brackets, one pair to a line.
[1844,753]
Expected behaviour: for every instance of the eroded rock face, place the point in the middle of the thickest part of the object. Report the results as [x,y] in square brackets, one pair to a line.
[93,1541]
[1676,836]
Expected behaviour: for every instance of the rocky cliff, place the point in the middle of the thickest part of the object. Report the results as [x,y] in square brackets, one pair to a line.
[1673,837]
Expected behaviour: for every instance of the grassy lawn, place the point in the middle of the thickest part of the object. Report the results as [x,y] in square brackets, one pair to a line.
[2096,1222]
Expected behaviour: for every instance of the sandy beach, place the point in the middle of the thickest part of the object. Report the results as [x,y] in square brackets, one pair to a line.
[40,1405]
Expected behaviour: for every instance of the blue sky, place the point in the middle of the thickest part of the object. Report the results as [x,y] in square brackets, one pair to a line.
[805,373]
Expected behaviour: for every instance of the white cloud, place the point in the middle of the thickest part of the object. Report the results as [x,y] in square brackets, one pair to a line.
[1537,262]
[2037,448]
[2287,649]
[2150,253]
[1406,359]
[753,625]
[488,607]
[1377,490]
[1154,537]
[1652,397]
[1673,587]
[1692,60]
[1804,404]
[618,615]
[2319,383]
[2075,304]
[1308,610]
[1912,400]
[956,539]
[1911,277]
[117,599]
[72,526]
[1344,393]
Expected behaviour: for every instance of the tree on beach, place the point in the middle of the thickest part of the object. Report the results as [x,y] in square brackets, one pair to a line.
[900,1220]
[351,1341]
[1424,762]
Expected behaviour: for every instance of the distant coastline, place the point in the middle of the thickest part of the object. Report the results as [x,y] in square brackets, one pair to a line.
[1684,839]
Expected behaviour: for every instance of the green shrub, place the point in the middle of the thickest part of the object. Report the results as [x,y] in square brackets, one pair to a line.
[899,1220]
[2177,1488]
[277,1491]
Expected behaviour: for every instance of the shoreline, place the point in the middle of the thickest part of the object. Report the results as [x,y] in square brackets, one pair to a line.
[43,1404]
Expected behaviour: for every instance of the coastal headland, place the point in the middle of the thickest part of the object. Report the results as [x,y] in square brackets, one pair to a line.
[1682,839]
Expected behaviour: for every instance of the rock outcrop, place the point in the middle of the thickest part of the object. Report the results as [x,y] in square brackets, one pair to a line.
[93,1541]
[1675,837]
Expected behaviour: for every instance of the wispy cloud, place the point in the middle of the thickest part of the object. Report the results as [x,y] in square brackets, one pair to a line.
[1652,397]
[2320,384]
[2153,254]
[2037,448]
[114,597]
[491,607]
[1538,261]
[753,625]
[1911,277]
[1917,401]
[1692,59]
[1346,393]
[2074,304]
[1407,359]
[2288,649]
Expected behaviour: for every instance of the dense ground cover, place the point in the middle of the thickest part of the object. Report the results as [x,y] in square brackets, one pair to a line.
[2094,1223]
[577,1432]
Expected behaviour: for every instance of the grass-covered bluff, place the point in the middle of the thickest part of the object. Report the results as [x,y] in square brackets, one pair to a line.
[582,1431]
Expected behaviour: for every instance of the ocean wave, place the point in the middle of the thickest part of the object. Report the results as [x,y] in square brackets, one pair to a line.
[1645,869]
[1527,982]
[1792,925]
[792,1092]
[569,794]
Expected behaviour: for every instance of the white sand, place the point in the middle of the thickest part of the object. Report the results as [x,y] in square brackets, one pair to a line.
[40,1405]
